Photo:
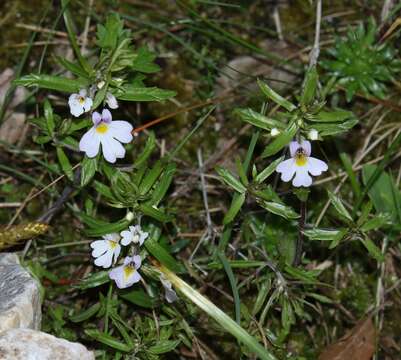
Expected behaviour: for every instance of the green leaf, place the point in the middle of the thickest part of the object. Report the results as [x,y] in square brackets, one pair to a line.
[48,110]
[75,68]
[324,235]
[377,222]
[339,206]
[227,177]
[338,115]
[94,280]
[107,228]
[108,340]
[143,61]
[266,172]
[280,141]
[218,315]
[163,184]
[138,297]
[351,174]
[150,178]
[259,120]
[279,209]
[154,213]
[146,152]
[88,170]
[108,34]
[163,346]
[385,195]
[160,253]
[278,99]
[236,204]
[100,96]
[326,129]
[373,250]
[86,314]
[310,85]
[65,163]
[132,93]
[51,82]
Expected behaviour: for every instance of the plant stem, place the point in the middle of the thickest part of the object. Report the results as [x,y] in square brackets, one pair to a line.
[300,240]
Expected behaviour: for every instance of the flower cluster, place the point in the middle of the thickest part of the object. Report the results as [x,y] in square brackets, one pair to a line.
[107,250]
[301,164]
[105,132]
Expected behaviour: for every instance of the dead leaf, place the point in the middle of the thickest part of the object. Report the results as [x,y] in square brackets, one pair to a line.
[358,344]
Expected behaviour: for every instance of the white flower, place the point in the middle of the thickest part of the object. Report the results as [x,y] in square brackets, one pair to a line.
[111,101]
[79,103]
[108,133]
[170,295]
[127,274]
[313,134]
[134,234]
[301,164]
[106,251]
[274,132]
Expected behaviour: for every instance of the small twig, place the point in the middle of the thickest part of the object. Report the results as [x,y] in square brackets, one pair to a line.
[86,29]
[314,55]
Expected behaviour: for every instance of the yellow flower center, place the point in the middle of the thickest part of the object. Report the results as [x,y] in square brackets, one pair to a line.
[81,100]
[112,244]
[102,128]
[128,271]
[300,157]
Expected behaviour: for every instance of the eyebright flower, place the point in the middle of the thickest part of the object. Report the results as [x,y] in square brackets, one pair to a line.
[79,103]
[170,295]
[134,235]
[111,101]
[108,133]
[127,274]
[301,164]
[106,251]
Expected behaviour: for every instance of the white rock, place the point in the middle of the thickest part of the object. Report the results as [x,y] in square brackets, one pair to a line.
[26,344]
[19,296]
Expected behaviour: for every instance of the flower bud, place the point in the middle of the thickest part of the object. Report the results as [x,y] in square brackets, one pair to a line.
[129,216]
[313,134]
[274,132]
[100,84]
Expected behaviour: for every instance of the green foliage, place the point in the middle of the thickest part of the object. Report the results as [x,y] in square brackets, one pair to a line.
[360,62]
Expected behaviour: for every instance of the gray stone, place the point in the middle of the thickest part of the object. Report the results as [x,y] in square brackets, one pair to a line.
[26,344]
[19,296]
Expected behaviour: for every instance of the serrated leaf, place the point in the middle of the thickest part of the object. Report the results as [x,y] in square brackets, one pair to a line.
[227,177]
[258,120]
[280,141]
[75,68]
[52,82]
[143,61]
[132,93]
[266,172]
[147,151]
[324,235]
[338,205]
[326,129]
[279,209]
[154,213]
[93,280]
[278,99]
[338,115]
